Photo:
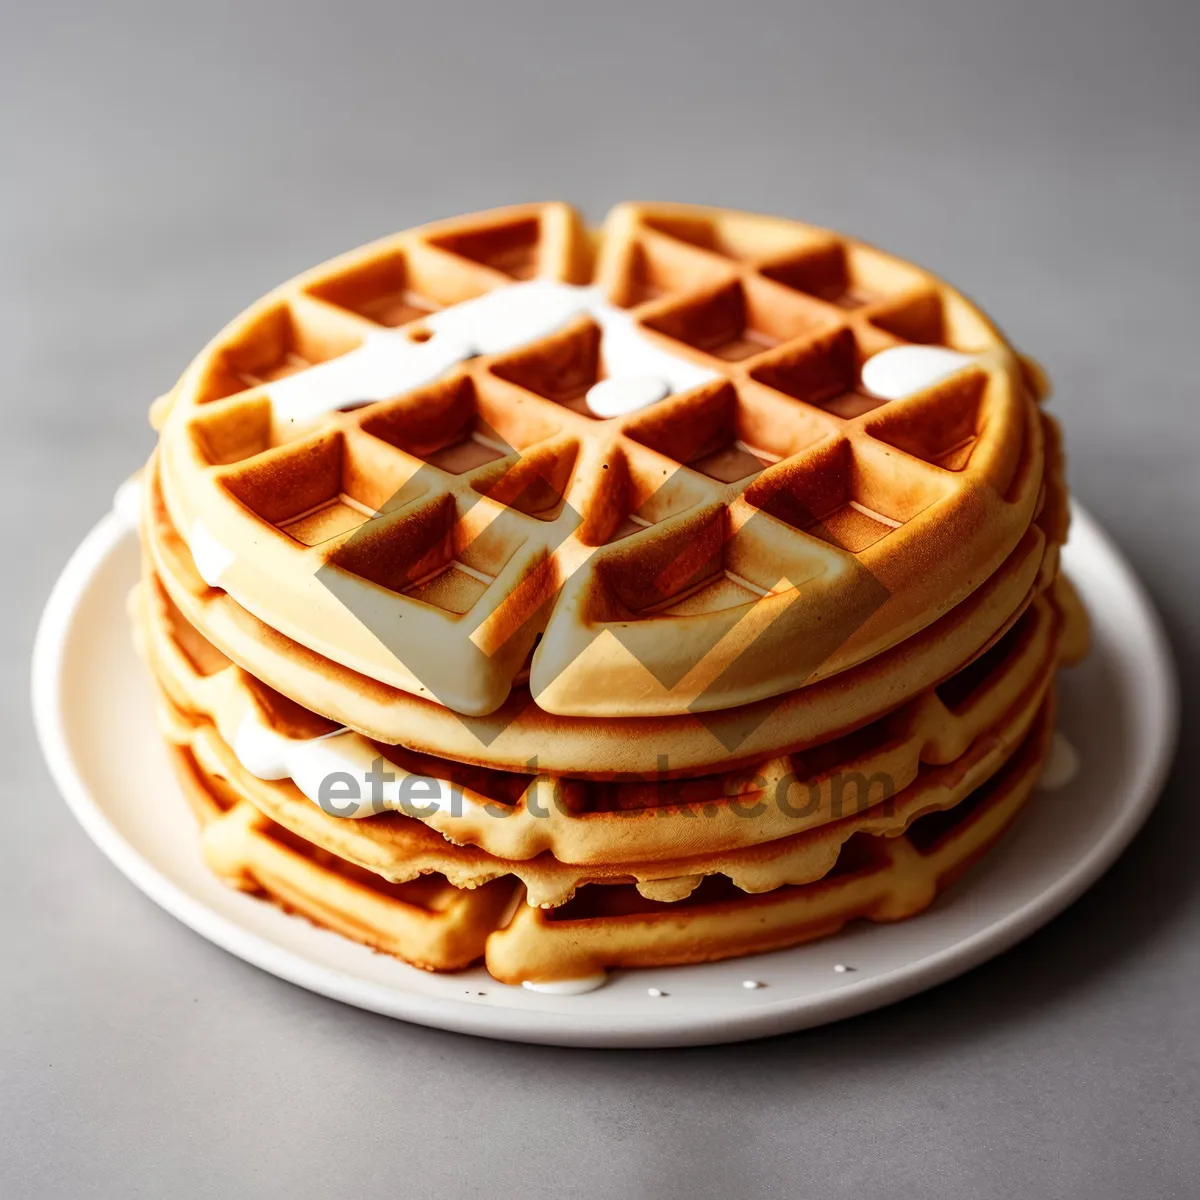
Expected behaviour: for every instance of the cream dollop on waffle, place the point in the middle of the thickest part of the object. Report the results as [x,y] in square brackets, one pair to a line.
[388,363]
[905,370]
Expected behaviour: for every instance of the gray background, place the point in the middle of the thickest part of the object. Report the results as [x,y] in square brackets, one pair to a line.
[163,165]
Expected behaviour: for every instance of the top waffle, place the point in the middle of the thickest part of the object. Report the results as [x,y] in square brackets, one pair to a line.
[667,469]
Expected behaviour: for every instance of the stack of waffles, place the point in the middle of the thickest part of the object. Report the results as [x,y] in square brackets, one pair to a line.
[569,600]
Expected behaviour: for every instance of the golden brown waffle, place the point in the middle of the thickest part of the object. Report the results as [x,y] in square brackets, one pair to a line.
[521,733]
[757,531]
[398,848]
[432,924]
[783,822]
[882,879]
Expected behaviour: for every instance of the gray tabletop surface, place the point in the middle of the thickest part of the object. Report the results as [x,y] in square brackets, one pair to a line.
[161,165]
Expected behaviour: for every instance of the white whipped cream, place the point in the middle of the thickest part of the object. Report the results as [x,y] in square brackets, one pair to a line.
[626,394]
[385,364]
[1062,764]
[388,362]
[906,370]
[568,987]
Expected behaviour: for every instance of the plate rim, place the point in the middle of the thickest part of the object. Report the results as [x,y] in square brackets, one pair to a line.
[668,1027]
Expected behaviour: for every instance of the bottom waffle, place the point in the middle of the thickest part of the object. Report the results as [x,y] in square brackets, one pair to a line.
[432,924]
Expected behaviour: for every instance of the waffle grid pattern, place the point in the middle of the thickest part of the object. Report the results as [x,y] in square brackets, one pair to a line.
[523,737]
[488,508]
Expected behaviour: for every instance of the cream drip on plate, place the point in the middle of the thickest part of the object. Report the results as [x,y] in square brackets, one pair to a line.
[567,987]
[388,363]
[906,370]
[1061,766]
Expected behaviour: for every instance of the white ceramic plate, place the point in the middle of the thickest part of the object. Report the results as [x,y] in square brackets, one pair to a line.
[93,711]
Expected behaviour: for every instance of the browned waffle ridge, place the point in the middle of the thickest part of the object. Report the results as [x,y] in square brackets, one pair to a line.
[522,734]
[432,924]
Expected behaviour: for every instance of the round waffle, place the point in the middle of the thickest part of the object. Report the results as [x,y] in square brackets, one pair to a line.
[782,821]
[446,459]
[523,737]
